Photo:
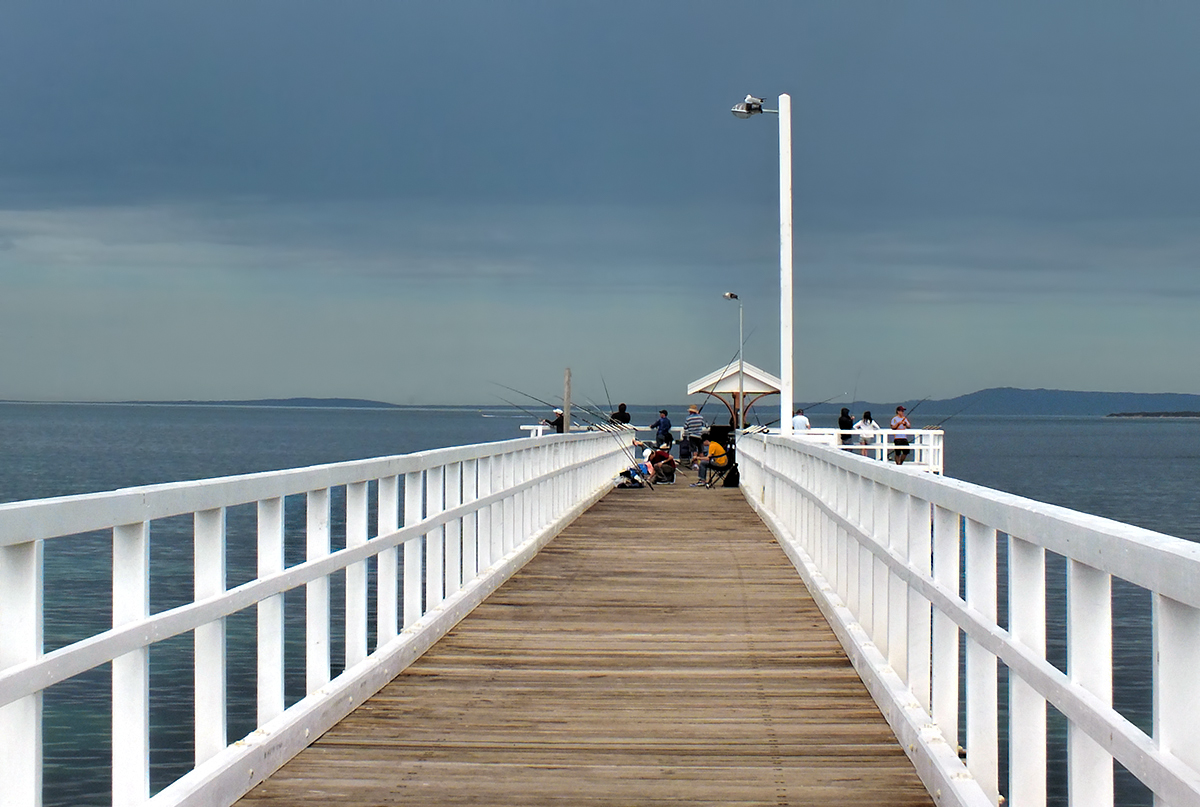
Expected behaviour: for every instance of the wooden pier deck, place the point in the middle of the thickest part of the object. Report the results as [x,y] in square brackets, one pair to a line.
[662,650]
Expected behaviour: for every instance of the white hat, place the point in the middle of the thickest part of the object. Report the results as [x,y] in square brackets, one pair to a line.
[558,411]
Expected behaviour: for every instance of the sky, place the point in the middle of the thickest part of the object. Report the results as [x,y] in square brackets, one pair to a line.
[415,202]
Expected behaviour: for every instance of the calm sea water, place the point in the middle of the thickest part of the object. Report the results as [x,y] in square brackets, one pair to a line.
[1142,472]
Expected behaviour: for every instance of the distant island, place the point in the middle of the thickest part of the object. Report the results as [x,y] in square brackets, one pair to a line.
[1154,415]
[326,403]
[1015,402]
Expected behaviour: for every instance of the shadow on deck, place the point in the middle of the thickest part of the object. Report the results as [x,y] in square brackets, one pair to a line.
[662,649]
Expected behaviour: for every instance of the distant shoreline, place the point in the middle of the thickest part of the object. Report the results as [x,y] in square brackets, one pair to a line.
[314,403]
[1154,415]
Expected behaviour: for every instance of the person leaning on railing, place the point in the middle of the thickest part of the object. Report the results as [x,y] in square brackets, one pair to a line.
[866,426]
[900,423]
[845,426]
[693,429]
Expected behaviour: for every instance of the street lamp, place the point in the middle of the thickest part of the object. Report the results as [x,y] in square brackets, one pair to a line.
[746,109]
[740,420]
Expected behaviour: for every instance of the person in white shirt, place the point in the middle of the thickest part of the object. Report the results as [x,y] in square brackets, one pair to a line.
[866,426]
[800,422]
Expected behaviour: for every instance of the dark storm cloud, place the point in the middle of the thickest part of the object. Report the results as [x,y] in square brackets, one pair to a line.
[1020,109]
[577,164]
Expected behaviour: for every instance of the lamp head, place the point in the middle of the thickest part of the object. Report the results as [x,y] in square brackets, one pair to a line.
[730,295]
[751,106]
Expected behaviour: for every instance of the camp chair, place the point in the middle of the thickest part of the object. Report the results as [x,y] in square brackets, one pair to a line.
[716,476]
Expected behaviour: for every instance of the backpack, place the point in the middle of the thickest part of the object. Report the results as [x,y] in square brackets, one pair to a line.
[732,478]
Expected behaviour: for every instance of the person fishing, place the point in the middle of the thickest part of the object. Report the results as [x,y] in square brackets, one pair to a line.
[845,427]
[800,422]
[662,428]
[620,416]
[693,428]
[900,423]
[556,421]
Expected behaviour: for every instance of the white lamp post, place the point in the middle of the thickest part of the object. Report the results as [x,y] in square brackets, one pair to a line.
[753,106]
[740,418]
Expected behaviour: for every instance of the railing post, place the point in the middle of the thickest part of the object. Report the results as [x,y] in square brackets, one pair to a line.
[414,511]
[316,594]
[210,708]
[511,517]
[387,566]
[499,509]
[487,515]
[897,592]
[1027,709]
[1176,693]
[454,530]
[270,613]
[920,611]
[1089,665]
[435,498]
[21,619]
[131,672]
[356,575]
[945,632]
[983,748]
[472,522]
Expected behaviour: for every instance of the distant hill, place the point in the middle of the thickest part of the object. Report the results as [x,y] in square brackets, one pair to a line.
[328,403]
[1013,401]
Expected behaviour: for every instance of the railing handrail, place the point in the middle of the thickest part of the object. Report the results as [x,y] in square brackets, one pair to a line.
[880,546]
[40,519]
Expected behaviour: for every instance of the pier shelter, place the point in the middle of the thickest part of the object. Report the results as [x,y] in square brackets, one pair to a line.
[726,383]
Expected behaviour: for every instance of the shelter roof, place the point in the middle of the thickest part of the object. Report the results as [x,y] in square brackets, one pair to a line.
[757,381]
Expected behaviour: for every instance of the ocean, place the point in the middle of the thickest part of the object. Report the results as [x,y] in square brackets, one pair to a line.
[1142,472]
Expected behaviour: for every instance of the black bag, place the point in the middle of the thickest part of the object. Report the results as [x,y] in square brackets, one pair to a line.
[732,479]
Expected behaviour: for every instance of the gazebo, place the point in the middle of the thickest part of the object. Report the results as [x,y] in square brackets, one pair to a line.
[723,384]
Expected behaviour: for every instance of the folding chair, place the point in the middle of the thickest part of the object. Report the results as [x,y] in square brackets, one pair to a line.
[717,475]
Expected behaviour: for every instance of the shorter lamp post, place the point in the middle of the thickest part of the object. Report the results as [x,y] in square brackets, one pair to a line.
[740,419]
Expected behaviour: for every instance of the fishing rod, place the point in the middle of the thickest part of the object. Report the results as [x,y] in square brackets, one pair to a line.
[938,425]
[606,395]
[809,406]
[518,406]
[625,449]
[725,372]
[526,394]
[827,400]
[710,393]
[581,408]
[917,405]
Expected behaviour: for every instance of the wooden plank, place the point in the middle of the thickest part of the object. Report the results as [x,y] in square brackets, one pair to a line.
[661,650]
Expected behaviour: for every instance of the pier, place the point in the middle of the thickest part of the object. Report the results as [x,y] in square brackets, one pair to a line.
[661,649]
[495,622]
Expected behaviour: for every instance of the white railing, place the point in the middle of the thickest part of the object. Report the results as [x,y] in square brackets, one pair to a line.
[924,446]
[471,516]
[906,565]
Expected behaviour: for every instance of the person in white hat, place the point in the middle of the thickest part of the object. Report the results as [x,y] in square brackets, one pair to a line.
[557,421]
